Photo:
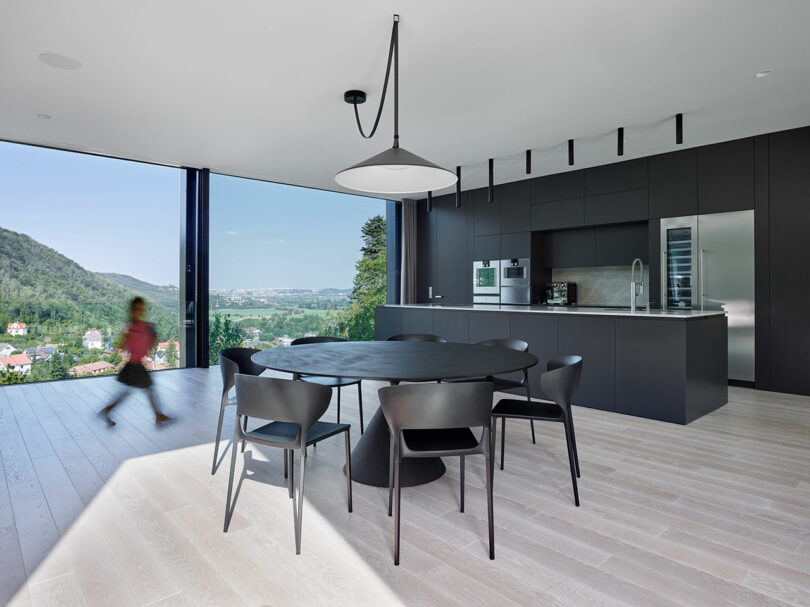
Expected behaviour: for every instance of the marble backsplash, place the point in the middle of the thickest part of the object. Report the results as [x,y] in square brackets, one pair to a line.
[603,285]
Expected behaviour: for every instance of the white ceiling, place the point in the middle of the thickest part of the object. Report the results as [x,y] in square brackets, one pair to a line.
[255,87]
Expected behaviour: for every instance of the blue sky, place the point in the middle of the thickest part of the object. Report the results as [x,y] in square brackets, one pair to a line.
[116,216]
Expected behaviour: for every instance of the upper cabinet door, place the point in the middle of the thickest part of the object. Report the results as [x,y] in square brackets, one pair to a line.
[726,176]
[515,199]
[618,207]
[616,177]
[487,219]
[673,184]
[558,215]
[560,186]
[453,268]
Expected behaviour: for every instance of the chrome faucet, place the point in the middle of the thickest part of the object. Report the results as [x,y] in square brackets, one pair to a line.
[636,287]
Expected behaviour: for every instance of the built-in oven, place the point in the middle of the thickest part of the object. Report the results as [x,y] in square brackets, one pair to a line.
[516,281]
[487,281]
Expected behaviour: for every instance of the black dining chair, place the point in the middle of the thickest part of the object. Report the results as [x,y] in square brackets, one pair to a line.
[231,362]
[435,420]
[331,382]
[417,337]
[559,384]
[295,408]
[502,384]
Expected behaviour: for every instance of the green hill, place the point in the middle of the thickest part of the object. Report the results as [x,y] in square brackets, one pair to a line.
[167,295]
[45,289]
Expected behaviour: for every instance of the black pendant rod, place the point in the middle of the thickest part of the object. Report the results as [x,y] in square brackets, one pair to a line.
[528,162]
[620,141]
[393,53]
[491,191]
[570,152]
[458,187]
[679,128]
[430,202]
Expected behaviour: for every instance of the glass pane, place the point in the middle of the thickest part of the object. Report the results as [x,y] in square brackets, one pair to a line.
[513,272]
[289,262]
[486,277]
[80,236]
[679,268]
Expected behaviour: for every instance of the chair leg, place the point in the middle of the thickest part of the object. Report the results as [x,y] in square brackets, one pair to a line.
[298,526]
[391,475]
[290,471]
[571,463]
[573,440]
[396,513]
[360,403]
[531,421]
[503,438]
[490,520]
[338,413]
[461,509]
[348,470]
[216,443]
[244,426]
[491,453]
[285,464]
[230,485]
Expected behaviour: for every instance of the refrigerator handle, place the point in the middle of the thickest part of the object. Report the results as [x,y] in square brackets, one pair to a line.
[703,278]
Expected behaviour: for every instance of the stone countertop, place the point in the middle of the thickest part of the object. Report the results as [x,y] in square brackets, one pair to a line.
[582,310]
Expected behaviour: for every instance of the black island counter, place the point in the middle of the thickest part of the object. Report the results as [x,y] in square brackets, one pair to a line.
[668,365]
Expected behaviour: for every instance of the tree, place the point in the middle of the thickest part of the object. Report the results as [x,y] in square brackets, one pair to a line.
[171,355]
[57,367]
[222,333]
[357,323]
[11,377]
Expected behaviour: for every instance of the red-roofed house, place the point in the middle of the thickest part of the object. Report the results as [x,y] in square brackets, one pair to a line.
[17,328]
[19,363]
[94,368]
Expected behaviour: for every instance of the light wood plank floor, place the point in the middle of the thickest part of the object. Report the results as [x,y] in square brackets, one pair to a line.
[714,513]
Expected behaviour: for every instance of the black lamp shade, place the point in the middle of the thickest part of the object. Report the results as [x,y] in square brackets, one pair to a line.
[395,171]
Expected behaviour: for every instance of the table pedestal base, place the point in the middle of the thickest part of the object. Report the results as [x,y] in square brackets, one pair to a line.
[371,456]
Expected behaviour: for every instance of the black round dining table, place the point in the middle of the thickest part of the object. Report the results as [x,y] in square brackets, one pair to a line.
[393,361]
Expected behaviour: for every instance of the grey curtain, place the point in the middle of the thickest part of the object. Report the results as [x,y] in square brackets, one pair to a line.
[408,288]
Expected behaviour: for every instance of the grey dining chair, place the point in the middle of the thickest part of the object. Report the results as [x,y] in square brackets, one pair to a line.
[417,337]
[435,420]
[231,362]
[560,382]
[331,382]
[294,408]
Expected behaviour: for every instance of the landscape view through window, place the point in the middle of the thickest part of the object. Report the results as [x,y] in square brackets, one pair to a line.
[80,236]
[289,262]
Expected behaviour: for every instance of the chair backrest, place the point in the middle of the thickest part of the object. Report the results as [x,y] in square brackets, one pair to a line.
[317,339]
[561,381]
[417,337]
[236,360]
[512,344]
[434,406]
[281,400]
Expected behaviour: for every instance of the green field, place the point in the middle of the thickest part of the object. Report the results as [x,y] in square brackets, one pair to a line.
[236,313]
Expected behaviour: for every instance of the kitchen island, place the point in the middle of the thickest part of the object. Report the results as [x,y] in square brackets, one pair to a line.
[669,365]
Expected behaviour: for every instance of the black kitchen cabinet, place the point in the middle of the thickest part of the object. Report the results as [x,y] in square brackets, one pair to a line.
[673,190]
[558,215]
[387,322]
[453,270]
[540,332]
[616,177]
[569,249]
[561,186]
[488,325]
[620,245]
[593,338]
[617,207]
[487,218]
[516,206]
[726,176]
[453,325]
[417,320]
[654,265]
[487,247]
[516,245]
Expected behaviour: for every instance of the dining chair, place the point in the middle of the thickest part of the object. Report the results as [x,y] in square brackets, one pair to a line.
[295,408]
[417,337]
[231,362]
[435,420]
[560,382]
[331,382]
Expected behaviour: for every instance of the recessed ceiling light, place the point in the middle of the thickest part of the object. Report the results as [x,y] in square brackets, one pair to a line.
[60,62]
[44,116]
[763,74]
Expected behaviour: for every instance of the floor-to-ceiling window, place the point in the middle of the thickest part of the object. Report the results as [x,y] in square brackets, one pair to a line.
[286,262]
[80,236]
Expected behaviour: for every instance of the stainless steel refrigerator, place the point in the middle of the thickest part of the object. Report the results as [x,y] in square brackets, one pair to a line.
[707,263]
